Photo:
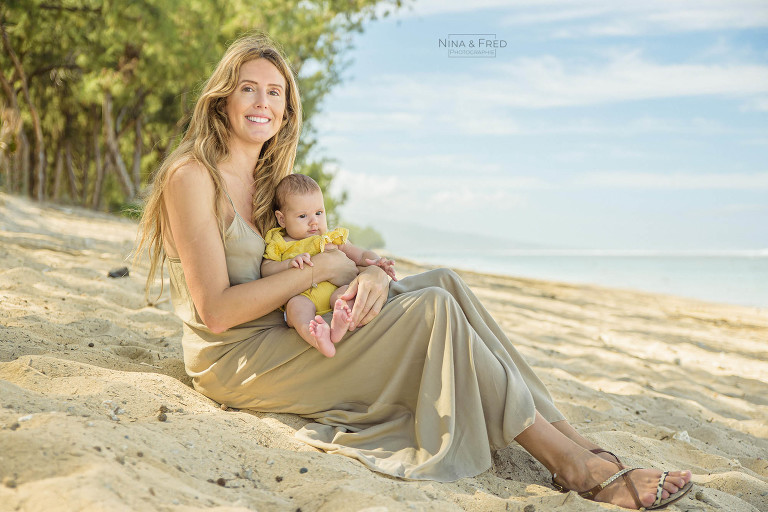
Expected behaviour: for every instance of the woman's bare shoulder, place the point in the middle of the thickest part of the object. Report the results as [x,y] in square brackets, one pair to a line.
[189,173]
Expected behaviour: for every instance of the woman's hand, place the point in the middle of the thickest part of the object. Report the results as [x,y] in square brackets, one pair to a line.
[369,289]
[334,266]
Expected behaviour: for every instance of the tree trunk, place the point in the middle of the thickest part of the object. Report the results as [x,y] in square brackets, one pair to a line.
[177,129]
[39,143]
[86,167]
[10,123]
[13,126]
[137,148]
[57,175]
[114,149]
[23,164]
[97,186]
[71,171]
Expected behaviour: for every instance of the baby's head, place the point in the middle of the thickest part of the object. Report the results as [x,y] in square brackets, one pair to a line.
[299,207]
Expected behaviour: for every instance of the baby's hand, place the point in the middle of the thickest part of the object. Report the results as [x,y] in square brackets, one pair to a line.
[387,265]
[300,260]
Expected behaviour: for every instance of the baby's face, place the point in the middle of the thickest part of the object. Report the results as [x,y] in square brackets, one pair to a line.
[303,215]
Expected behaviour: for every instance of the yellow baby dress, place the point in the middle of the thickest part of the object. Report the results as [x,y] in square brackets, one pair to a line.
[278,249]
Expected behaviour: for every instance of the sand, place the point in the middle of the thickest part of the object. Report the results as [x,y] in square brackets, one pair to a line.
[86,367]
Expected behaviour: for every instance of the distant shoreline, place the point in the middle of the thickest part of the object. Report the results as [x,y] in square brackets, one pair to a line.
[722,277]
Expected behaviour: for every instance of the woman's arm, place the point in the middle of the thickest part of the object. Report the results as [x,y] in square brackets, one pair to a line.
[272,267]
[195,234]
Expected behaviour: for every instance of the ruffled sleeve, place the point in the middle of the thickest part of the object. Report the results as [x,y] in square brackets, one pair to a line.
[275,244]
[338,236]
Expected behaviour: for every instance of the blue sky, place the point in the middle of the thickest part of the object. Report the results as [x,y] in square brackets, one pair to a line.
[601,124]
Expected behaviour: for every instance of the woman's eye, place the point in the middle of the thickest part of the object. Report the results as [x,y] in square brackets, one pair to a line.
[274,92]
[247,88]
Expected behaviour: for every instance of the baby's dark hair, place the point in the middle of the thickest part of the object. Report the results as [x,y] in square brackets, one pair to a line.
[291,185]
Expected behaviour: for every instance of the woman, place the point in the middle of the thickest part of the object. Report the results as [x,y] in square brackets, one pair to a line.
[426,390]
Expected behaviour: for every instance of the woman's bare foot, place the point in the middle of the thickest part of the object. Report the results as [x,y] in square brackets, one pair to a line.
[592,470]
[321,334]
[342,317]
[571,433]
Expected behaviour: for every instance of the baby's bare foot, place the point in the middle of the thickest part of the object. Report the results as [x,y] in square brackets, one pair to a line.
[342,317]
[321,332]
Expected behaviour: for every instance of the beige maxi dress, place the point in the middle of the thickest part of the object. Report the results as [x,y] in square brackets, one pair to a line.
[425,391]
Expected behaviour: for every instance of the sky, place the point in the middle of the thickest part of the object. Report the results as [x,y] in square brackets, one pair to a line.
[595,124]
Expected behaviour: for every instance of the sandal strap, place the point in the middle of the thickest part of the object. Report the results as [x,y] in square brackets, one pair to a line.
[593,492]
[660,488]
[557,486]
[598,451]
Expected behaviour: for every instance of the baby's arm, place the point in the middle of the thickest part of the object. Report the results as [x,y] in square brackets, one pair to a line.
[271,267]
[364,258]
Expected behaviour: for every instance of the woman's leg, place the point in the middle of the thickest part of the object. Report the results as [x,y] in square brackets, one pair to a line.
[566,429]
[578,469]
[489,331]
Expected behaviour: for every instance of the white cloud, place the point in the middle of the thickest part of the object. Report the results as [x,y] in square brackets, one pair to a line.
[608,17]
[759,104]
[354,122]
[474,106]
[757,141]
[468,199]
[548,81]
[551,82]
[365,186]
[674,180]
[739,208]
[427,200]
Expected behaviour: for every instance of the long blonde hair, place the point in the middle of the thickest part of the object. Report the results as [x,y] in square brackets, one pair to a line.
[206,141]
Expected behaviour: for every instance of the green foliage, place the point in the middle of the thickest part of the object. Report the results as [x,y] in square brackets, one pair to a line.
[149,57]
[131,210]
[365,237]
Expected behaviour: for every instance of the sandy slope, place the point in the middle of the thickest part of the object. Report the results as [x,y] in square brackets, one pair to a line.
[86,365]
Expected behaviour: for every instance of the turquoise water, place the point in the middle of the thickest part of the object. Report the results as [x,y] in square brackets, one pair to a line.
[733,277]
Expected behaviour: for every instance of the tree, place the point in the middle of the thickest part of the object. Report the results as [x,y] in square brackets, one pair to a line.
[102,87]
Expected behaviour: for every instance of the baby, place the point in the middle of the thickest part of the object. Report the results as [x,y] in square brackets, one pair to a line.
[303,232]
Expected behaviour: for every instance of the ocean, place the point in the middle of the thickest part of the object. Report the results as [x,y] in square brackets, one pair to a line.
[731,277]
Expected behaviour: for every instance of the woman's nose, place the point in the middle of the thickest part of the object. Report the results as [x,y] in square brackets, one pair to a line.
[260,98]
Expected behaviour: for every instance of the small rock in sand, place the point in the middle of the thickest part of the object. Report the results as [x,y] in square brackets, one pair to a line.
[118,272]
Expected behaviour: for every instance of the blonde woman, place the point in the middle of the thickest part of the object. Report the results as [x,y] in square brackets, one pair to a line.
[424,387]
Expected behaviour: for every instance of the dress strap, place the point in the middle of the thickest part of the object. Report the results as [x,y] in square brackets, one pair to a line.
[230,199]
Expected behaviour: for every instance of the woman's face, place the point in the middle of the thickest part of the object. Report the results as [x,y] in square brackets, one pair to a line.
[256,107]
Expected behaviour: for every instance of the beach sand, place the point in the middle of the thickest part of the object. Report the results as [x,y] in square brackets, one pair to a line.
[86,367]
